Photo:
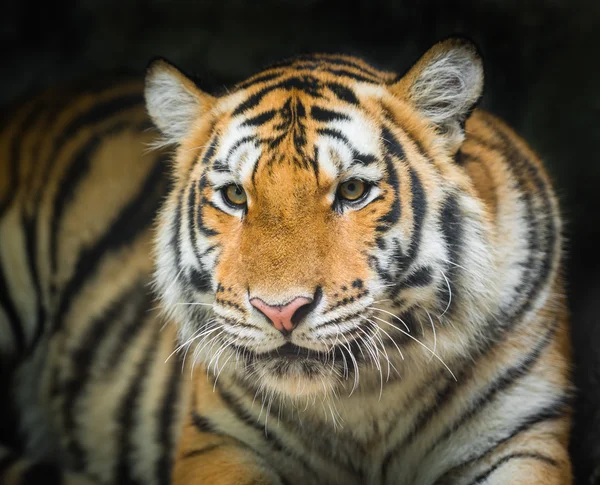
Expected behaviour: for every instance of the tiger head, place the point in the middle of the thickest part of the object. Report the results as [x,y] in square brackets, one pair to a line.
[318,217]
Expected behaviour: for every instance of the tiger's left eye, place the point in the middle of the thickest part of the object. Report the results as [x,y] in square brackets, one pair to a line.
[235,195]
[352,190]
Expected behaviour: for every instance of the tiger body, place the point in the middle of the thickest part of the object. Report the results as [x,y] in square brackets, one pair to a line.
[431,345]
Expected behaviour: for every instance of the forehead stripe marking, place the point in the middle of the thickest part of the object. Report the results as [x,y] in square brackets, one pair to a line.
[333,133]
[260,118]
[327,59]
[260,78]
[326,115]
[343,93]
[308,84]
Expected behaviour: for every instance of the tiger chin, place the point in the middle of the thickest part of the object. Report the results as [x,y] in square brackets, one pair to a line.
[375,248]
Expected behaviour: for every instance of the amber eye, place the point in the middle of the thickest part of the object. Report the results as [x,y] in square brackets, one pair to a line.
[235,195]
[352,190]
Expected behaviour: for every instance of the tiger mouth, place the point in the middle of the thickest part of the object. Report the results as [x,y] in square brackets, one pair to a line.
[293,352]
[290,352]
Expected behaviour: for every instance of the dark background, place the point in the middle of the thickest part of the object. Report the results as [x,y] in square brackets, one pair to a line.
[542,61]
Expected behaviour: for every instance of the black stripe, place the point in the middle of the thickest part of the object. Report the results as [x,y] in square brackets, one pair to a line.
[394,149]
[333,133]
[391,217]
[354,76]
[125,415]
[392,145]
[210,151]
[196,213]
[201,451]
[343,93]
[75,174]
[41,474]
[176,230]
[555,410]
[451,220]
[260,78]
[347,62]
[419,210]
[363,159]
[513,456]
[14,161]
[31,240]
[201,280]
[260,119]
[203,424]
[326,115]
[245,417]
[354,65]
[421,277]
[82,359]
[9,308]
[134,218]
[167,422]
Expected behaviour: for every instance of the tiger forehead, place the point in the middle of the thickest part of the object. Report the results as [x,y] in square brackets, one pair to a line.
[303,126]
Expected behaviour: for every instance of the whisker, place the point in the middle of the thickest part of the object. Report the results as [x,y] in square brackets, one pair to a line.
[449,294]
[354,363]
[389,336]
[420,343]
[434,335]
[392,315]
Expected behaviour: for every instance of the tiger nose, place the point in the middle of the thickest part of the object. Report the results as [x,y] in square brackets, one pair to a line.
[286,317]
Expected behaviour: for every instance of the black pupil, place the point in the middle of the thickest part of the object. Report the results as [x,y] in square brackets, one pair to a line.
[351,187]
[238,191]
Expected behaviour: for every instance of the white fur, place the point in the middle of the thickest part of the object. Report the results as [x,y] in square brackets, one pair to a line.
[447,88]
[172,107]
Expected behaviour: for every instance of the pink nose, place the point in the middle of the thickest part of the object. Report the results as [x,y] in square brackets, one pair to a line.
[281,316]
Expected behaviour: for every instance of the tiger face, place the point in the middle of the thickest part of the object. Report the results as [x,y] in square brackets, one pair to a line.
[312,229]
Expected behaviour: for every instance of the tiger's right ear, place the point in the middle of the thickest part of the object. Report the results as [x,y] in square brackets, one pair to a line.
[173,100]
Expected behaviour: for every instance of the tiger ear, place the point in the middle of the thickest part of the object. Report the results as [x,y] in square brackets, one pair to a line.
[444,86]
[173,100]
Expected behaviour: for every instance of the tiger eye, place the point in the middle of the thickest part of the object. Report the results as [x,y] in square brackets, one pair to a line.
[235,195]
[352,190]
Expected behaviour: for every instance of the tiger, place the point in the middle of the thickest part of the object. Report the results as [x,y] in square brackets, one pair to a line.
[327,274]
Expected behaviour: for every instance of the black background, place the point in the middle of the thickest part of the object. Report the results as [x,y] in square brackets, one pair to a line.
[542,61]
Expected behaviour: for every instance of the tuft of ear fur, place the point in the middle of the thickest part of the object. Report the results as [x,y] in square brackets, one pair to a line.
[173,101]
[444,86]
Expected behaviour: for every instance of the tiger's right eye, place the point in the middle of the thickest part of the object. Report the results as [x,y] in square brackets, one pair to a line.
[234,195]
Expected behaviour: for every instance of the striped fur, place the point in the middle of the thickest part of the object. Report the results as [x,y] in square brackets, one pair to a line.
[435,349]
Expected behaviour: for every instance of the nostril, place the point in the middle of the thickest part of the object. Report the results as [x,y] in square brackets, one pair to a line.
[308,307]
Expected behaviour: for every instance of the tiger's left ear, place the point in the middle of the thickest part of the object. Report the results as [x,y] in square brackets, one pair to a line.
[173,100]
[444,86]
